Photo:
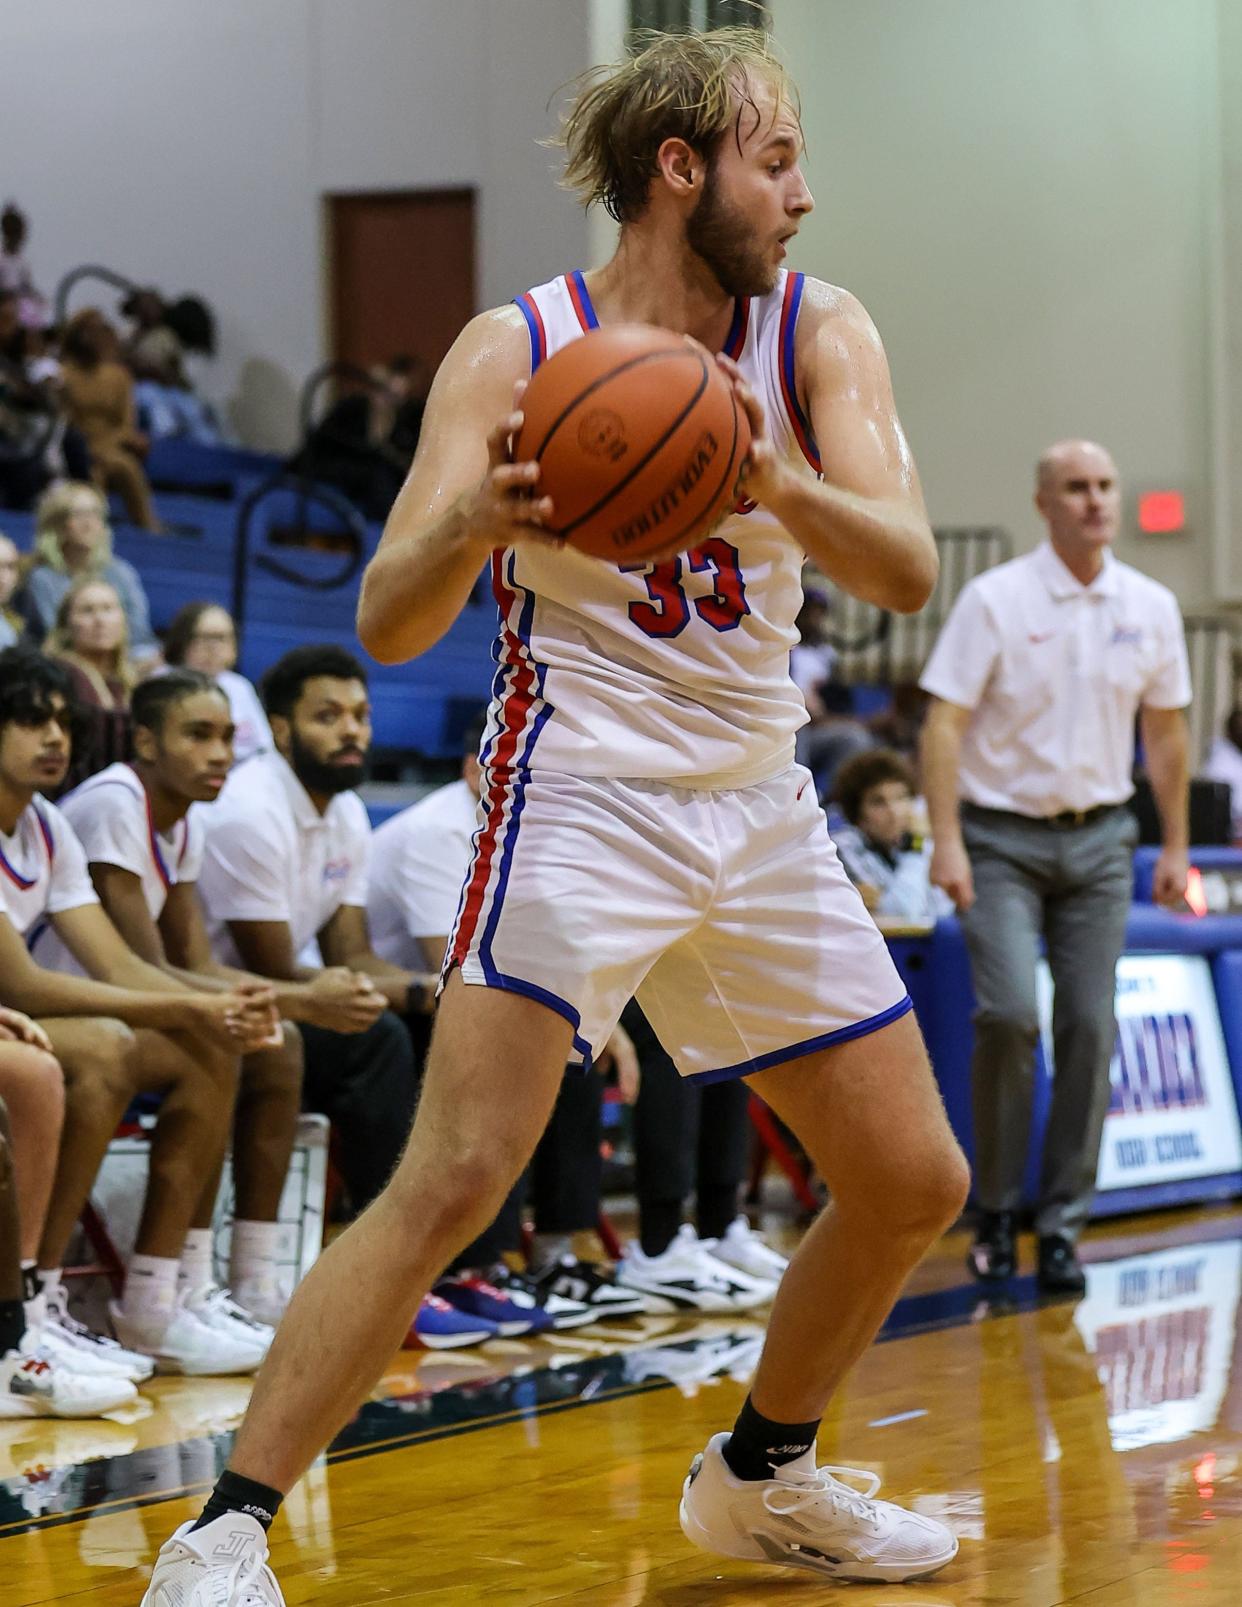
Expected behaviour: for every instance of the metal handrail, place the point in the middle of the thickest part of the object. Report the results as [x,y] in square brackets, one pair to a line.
[354,526]
[88,270]
[319,377]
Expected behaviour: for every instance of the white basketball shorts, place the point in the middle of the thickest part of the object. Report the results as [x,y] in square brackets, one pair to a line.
[727,914]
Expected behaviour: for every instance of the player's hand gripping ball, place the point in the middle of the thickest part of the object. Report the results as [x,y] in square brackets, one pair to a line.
[639,440]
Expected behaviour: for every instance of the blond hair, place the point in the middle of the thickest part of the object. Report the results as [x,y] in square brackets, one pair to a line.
[59,644]
[689,86]
[51,514]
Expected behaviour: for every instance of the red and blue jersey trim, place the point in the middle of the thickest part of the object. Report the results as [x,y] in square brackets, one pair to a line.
[798,420]
[25,883]
[534,324]
[735,340]
[580,298]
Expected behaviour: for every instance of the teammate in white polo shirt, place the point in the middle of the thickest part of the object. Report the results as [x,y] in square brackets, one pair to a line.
[144,843]
[1037,677]
[284,884]
[122,1029]
[647,831]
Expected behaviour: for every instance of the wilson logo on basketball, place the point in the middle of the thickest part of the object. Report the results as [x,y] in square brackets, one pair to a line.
[667,503]
[602,434]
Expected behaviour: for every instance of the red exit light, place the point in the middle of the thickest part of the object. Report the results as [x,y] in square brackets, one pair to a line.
[1161,513]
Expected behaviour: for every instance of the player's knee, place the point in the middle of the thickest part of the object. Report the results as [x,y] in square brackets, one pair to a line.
[101,1069]
[927,1197]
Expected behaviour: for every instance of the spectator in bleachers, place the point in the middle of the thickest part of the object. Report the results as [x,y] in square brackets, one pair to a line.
[73,541]
[832,734]
[144,846]
[124,1028]
[91,641]
[1224,763]
[99,398]
[284,882]
[202,637]
[155,352]
[882,857]
[11,622]
[898,726]
[15,274]
[420,859]
[37,443]
[364,443]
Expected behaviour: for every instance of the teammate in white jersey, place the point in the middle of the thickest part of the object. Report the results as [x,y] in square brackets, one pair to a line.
[643,827]
[144,844]
[120,1029]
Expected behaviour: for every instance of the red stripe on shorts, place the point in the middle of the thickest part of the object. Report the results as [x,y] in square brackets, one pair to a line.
[499,773]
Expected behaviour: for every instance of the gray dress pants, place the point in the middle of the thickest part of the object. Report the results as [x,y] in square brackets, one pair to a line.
[1072,885]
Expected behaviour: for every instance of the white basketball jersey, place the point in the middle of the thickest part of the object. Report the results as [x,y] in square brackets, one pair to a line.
[675,671]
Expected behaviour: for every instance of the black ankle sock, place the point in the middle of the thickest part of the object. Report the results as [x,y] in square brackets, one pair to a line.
[12,1324]
[30,1283]
[757,1444]
[233,1493]
[659,1221]
[715,1209]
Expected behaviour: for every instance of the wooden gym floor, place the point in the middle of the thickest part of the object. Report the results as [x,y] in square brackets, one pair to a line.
[1088,1454]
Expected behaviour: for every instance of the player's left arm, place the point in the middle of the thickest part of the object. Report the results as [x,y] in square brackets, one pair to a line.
[345,940]
[865,523]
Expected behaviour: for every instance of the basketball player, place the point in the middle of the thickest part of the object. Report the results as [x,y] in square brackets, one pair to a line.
[119,1029]
[144,847]
[643,827]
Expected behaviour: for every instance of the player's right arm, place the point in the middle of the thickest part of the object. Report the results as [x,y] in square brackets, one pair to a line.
[462,497]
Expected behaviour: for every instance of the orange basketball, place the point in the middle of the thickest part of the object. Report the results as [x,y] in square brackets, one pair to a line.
[639,441]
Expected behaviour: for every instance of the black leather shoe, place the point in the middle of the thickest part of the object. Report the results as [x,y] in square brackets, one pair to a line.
[1059,1270]
[992,1257]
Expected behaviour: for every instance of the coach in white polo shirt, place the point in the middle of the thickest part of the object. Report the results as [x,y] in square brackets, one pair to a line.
[284,885]
[1036,680]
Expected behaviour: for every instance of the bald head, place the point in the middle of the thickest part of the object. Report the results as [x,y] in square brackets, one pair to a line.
[1079,497]
[1072,457]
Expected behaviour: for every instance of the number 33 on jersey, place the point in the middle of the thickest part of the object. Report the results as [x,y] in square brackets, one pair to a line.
[676,671]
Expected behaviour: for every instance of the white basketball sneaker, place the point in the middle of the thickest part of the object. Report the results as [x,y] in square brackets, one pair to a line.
[36,1384]
[223,1564]
[687,1277]
[190,1346]
[747,1251]
[81,1348]
[805,1517]
[219,1309]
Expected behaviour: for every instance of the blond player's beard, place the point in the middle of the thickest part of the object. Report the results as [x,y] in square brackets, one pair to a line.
[718,232]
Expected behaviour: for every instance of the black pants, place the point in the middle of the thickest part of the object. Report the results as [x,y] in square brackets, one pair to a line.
[563,1180]
[364,1083]
[686,1137]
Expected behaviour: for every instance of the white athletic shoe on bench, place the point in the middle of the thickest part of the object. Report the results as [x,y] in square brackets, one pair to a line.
[806,1517]
[191,1346]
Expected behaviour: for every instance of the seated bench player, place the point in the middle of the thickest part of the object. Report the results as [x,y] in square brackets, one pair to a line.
[419,862]
[122,1029]
[283,882]
[144,845]
[33,1382]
